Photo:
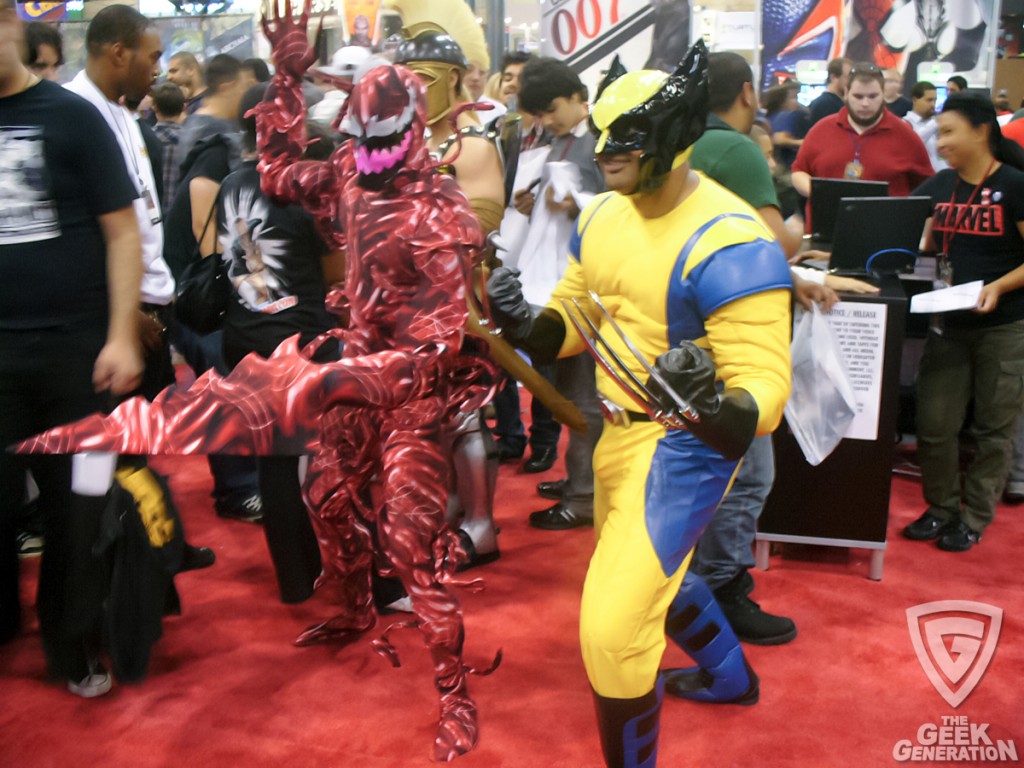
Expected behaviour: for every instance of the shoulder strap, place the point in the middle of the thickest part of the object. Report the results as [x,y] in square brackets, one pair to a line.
[199,243]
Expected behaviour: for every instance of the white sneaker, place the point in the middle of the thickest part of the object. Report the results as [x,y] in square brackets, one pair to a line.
[91,686]
[401,605]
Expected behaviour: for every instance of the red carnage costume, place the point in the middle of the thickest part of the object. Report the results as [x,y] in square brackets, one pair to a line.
[410,238]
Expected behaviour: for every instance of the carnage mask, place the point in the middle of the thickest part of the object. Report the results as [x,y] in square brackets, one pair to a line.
[385,116]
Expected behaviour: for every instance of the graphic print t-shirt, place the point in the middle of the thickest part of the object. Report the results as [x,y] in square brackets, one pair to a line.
[273,258]
[60,168]
[986,241]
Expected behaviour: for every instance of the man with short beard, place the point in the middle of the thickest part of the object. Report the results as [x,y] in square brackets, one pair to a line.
[922,119]
[184,71]
[863,140]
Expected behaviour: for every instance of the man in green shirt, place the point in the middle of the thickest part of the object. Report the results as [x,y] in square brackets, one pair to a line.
[728,155]
[724,552]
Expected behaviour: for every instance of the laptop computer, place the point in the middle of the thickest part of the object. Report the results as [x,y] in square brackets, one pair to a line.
[878,235]
[825,197]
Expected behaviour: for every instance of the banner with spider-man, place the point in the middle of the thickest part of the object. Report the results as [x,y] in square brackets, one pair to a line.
[923,39]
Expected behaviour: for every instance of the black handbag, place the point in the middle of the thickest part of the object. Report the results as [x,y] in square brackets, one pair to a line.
[203,289]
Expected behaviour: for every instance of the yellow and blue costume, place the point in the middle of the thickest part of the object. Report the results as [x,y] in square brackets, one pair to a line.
[707,275]
[708,271]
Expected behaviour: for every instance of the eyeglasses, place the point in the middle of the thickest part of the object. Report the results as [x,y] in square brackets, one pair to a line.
[868,70]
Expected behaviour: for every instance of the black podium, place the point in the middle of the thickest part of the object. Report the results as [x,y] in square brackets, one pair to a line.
[844,501]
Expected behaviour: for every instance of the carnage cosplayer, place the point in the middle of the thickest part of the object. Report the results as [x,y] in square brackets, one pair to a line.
[410,238]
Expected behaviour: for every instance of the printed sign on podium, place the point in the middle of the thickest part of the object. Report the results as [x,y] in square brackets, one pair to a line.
[844,501]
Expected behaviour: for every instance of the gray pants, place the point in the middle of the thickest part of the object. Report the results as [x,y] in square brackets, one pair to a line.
[574,379]
[986,365]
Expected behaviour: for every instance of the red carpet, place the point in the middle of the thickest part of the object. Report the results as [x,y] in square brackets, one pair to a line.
[227,688]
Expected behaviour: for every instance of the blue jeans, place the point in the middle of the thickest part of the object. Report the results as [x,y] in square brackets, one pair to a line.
[508,426]
[725,549]
[234,477]
[544,430]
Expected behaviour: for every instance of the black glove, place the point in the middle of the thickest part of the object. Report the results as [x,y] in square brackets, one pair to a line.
[508,306]
[728,421]
[690,372]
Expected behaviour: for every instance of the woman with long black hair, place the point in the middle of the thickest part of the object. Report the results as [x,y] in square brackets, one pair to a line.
[977,228]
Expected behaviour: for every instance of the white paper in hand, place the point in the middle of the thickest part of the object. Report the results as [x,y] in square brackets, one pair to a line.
[947,299]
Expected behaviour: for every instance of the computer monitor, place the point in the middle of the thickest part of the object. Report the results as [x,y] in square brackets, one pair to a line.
[825,197]
[878,235]
[809,93]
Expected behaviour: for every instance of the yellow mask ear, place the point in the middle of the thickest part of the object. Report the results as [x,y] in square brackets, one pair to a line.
[682,157]
[626,93]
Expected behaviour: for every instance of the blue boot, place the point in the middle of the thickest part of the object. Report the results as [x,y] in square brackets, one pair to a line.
[629,729]
[696,623]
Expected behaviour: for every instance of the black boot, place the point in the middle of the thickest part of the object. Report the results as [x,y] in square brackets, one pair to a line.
[629,729]
[750,623]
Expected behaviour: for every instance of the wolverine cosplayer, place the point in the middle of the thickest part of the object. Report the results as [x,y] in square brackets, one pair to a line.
[668,267]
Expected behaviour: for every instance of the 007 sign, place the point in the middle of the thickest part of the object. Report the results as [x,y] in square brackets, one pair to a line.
[571,24]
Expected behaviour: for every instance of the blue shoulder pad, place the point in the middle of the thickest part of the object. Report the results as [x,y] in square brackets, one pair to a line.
[737,271]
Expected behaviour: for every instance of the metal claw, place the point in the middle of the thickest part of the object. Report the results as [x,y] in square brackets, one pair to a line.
[685,408]
[606,365]
[593,337]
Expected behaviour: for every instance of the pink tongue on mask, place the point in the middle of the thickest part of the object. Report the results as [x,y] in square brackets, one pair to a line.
[381,159]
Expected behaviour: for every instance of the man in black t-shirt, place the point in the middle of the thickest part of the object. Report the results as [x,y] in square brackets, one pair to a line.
[70,271]
[275,260]
[190,230]
[834,97]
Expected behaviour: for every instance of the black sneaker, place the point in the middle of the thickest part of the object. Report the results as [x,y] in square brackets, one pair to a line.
[96,683]
[249,511]
[552,489]
[540,461]
[750,623]
[196,558]
[29,544]
[927,527]
[558,518]
[1014,497]
[508,453]
[959,538]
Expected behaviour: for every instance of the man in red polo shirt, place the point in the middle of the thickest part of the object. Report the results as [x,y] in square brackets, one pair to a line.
[863,141]
[1015,130]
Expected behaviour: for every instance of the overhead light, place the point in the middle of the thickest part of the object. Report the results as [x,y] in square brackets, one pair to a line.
[508,19]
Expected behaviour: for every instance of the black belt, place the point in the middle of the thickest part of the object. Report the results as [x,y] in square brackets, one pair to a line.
[634,416]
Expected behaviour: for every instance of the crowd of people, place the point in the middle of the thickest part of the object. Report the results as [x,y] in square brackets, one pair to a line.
[670,204]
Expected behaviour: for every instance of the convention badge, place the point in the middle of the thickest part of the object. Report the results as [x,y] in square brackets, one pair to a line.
[151,206]
[945,269]
[854,170]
